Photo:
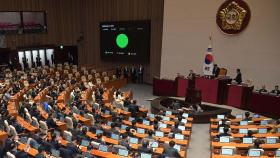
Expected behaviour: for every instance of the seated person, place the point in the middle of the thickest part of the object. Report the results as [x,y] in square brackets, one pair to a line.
[144,148]
[263,89]
[247,117]
[275,128]
[191,75]
[226,130]
[170,151]
[276,90]
[41,152]
[216,71]
[238,78]
[175,129]
[249,134]
[223,124]
[99,139]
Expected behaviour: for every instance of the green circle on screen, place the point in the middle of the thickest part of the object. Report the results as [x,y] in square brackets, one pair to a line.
[122,40]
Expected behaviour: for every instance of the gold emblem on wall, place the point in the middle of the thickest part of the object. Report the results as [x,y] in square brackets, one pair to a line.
[233,16]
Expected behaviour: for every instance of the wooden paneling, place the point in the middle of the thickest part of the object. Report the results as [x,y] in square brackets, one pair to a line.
[68,19]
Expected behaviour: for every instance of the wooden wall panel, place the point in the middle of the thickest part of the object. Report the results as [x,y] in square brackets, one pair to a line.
[67,19]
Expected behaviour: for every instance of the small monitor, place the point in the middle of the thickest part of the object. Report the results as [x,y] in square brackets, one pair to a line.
[264,122]
[109,123]
[224,139]
[103,148]
[154,144]
[98,131]
[262,131]
[55,153]
[227,151]
[125,109]
[131,119]
[140,130]
[68,138]
[133,140]
[123,127]
[162,125]
[239,116]
[144,155]
[184,120]
[278,130]
[179,136]
[57,133]
[151,115]
[243,131]
[165,118]
[107,112]
[221,130]
[243,123]
[255,152]
[178,147]
[247,140]
[115,136]
[256,116]
[168,113]
[146,122]
[220,116]
[271,140]
[182,128]
[85,143]
[277,153]
[123,152]
[220,122]
[185,115]
[61,119]
[159,134]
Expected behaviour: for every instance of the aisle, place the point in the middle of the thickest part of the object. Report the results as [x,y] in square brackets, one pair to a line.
[200,143]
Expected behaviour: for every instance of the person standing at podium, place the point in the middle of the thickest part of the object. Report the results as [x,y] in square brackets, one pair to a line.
[238,78]
[216,71]
[276,90]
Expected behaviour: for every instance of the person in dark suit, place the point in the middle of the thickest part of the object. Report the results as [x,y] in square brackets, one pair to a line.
[238,78]
[126,102]
[144,148]
[118,71]
[125,72]
[140,72]
[171,151]
[247,117]
[223,124]
[226,130]
[175,129]
[65,153]
[263,89]
[41,152]
[276,90]
[215,71]
[133,108]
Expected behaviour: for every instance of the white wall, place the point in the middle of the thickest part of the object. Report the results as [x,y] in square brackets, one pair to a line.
[256,51]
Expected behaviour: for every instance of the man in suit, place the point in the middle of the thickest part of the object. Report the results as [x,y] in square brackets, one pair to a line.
[41,152]
[263,89]
[175,129]
[126,72]
[133,108]
[118,71]
[238,78]
[276,90]
[226,130]
[216,71]
[171,151]
[247,117]
[140,72]
[144,148]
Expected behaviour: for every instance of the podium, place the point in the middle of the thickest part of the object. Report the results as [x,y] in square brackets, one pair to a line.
[212,90]
[163,87]
[238,95]
[181,85]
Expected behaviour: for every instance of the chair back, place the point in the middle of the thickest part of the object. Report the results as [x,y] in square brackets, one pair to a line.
[69,122]
[10,155]
[35,122]
[223,72]
[13,131]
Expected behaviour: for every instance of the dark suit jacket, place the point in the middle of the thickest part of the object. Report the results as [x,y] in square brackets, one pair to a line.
[171,152]
[238,78]
[145,150]
[176,130]
[216,71]
[65,153]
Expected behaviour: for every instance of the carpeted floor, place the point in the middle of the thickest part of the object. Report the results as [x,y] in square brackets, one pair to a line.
[200,139]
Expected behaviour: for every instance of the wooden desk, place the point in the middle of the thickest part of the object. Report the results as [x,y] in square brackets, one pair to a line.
[33,152]
[106,154]
[3,137]
[26,125]
[234,156]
